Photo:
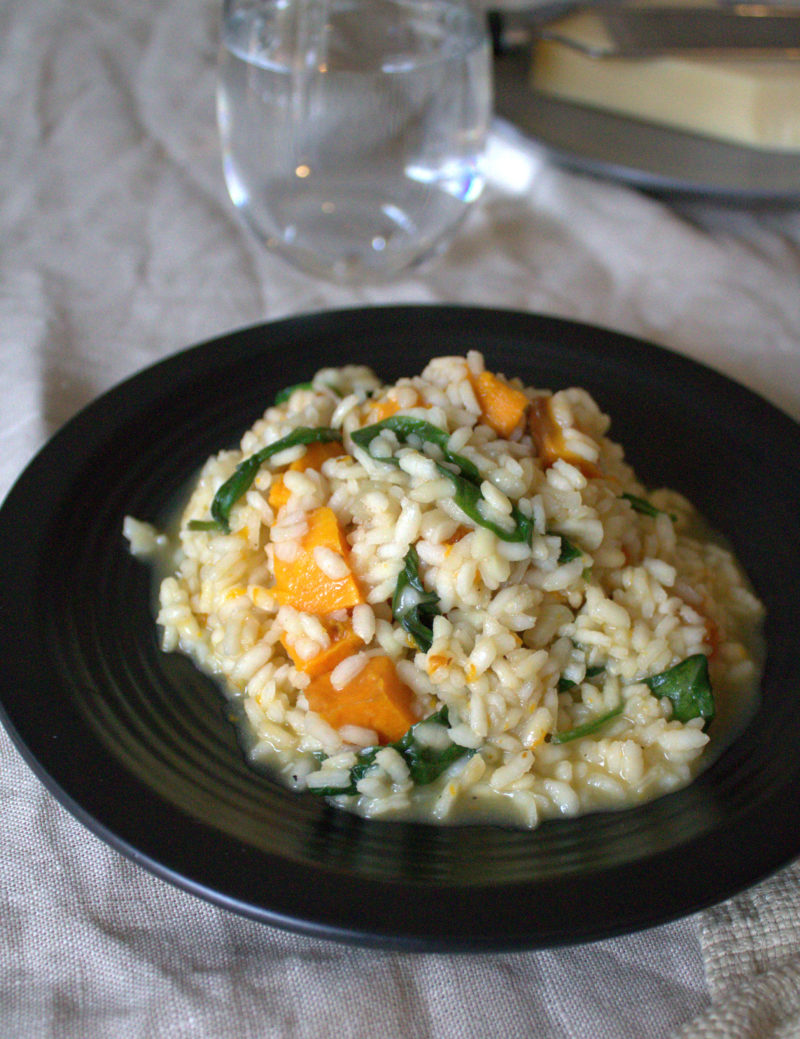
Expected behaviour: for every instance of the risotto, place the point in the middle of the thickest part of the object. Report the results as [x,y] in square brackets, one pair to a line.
[449,599]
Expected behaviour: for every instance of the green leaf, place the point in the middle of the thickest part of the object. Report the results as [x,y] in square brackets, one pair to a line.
[565,684]
[645,507]
[466,481]
[468,498]
[239,483]
[587,728]
[568,551]
[412,606]
[283,395]
[404,427]
[425,763]
[688,686]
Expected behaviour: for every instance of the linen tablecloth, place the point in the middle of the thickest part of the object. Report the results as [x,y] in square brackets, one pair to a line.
[119,247]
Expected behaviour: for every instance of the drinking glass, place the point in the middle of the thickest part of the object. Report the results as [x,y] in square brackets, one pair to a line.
[352,131]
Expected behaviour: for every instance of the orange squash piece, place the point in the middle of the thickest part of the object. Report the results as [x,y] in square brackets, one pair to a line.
[549,439]
[316,453]
[382,409]
[379,410]
[546,433]
[302,584]
[460,532]
[502,406]
[375,699]
[278,494]
[344,642]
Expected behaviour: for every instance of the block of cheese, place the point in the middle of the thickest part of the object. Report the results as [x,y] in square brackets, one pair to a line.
[753,101]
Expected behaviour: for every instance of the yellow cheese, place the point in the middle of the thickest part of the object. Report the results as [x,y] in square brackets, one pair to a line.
[747,101]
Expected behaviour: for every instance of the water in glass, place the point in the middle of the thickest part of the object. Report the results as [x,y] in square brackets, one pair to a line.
[352,130]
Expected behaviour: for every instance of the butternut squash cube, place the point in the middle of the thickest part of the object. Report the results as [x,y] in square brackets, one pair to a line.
[301,582]
[344,642]
[502,406]
[549,439]
[316,453]
[375,699]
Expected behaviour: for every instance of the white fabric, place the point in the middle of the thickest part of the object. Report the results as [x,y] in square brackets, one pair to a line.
[118,247]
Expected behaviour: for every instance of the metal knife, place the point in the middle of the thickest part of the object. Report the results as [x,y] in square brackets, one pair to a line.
[641,31]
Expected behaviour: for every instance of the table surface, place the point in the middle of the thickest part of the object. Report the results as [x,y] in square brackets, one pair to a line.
[120,247]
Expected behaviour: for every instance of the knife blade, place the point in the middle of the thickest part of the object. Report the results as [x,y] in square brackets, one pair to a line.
[639,31]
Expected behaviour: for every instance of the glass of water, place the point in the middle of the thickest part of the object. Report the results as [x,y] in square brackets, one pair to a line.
[352,131]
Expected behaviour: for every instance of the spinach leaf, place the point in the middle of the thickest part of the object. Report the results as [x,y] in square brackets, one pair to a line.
[565,684]
[238,484]
[283,395]
[568,551]
[412,607]
[468,498]
[645,507]
[587,728]
[403,427]
[466,480]
[688,686]
[425,763]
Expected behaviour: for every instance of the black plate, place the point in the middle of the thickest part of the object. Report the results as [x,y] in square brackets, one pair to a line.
[138,745]
[654,158]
